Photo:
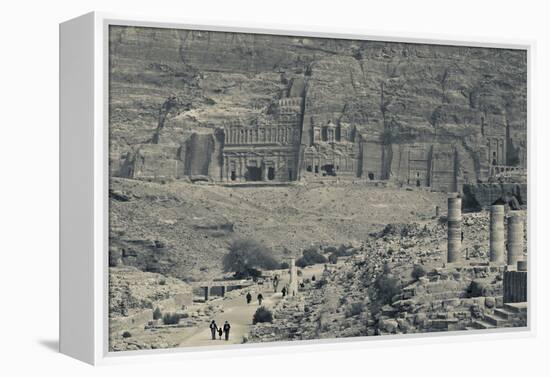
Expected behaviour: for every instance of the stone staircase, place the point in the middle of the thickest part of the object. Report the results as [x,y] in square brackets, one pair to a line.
[509,315]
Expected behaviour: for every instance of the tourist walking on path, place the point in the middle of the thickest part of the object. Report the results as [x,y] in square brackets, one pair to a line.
[248,298]
[275,283]
[213,329]
[283,291]
[220,332]
[226,328]
[260,298]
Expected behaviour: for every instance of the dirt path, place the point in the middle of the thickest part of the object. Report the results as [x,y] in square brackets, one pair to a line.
[238,313]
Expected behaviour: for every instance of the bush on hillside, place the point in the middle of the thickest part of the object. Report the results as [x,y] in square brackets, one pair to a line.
[418,272]
[171,318]
[262,315]
[310,257]
[246,257]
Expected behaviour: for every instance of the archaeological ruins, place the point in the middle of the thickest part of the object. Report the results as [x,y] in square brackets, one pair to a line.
[312,188]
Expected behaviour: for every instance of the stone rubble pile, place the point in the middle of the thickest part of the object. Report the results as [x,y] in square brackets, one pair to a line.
[447,297]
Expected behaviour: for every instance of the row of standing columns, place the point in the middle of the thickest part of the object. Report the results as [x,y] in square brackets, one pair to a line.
[496,233]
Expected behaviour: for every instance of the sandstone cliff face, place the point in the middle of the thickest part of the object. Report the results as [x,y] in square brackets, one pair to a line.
[399,96]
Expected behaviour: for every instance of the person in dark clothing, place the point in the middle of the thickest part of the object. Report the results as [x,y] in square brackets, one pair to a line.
[283,291]
[220,332]
[461,236]
[260,298]
[226,328]
[248,298]
[213,329]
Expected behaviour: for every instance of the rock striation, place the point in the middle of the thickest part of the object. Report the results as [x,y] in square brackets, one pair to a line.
[235,107]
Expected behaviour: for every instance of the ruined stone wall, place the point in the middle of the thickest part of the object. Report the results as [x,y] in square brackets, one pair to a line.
[482,195]
[155,161]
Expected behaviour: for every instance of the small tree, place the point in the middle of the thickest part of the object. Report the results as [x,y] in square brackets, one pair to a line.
[386,286]
[310,257]
[330,249]
[262,315]
[246,256]
[171,318]
[355,309]
[321,283]
[157,314]
[417,272]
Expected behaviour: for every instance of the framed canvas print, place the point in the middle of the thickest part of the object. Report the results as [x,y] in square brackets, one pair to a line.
[225,187]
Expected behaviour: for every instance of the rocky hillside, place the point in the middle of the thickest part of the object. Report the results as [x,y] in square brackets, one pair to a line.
[183,230]
[178,80]
[376,292]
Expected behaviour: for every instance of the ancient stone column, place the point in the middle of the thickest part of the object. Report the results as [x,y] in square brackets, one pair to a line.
[496,234]
[515,238]
[293,281]
[454,229]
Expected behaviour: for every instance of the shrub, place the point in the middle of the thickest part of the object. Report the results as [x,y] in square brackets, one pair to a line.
[321,283]
[162,282]
[333,258]
[386,287]
[476,289]
[284,266]
[417,272]
[310,257]
[262,315]
[355,309]
[246,256]
[301,262]
[126,334]
[330,249]
[157,314]
[171,318]
[313,256]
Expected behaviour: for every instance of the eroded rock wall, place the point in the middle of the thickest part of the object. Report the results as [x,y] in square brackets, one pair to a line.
[393,94]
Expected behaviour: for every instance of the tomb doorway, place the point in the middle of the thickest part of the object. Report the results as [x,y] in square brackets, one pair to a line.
[270,173]
[253,174]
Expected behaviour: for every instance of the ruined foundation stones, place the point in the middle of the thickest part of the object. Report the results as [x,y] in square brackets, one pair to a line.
[454,232]
[515,238]
[496,235]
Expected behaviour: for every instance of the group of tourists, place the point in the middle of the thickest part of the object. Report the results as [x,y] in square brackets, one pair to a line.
[215,330]
[260,298]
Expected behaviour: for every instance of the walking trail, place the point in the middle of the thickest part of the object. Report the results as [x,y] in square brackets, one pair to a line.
[239,314]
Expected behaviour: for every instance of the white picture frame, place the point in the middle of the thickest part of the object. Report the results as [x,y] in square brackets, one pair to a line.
[84,189]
